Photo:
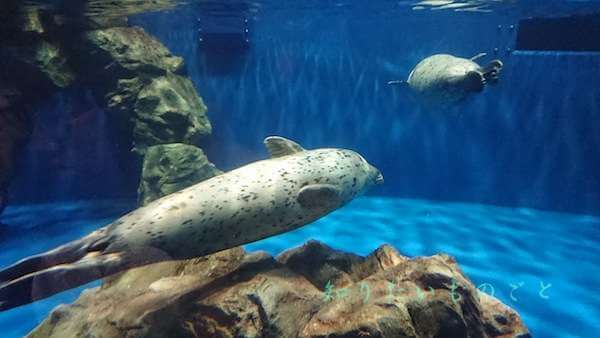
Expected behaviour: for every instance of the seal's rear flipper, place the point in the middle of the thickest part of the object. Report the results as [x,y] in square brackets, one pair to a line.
[45,283]
[68,253]
[94,265]
[491,71]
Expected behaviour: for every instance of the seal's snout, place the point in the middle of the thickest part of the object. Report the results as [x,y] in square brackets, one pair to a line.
[376,175]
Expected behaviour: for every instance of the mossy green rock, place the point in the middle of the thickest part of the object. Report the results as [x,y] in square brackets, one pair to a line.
[169,168]
[169,110]
[122,98]
[138,80]
[18,23]
[124,51]
[46,60]
[51,60]
[31,21]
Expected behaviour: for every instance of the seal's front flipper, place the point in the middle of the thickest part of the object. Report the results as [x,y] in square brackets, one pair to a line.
[491,71]
[317,196]
[68,253]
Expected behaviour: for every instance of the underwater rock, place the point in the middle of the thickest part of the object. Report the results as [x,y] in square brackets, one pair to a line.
[50,59]
[30,20]
[169,110]
[169,168]
[29,52]
[38,65]
[124,52]
[19,22]
[132,74]
[138,80]
[122,98]
[238,294]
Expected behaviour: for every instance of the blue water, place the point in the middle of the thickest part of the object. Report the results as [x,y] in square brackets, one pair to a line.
[316,71]
[494,245]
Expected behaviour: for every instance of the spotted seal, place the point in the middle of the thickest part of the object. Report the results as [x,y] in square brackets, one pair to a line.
[444,78]
[264,198]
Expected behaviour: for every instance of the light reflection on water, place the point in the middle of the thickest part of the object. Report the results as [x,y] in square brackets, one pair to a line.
[104,8]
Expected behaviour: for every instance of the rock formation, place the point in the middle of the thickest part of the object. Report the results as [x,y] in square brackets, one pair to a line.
[142,86]
[140,83]
[171,167]
[134,77]
[310,291]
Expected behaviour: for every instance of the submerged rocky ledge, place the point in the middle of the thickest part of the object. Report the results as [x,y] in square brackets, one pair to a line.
[310,291]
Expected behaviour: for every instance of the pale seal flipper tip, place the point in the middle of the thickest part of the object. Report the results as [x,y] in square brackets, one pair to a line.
[280,146]
[396,82]
[491,71]
[478,56]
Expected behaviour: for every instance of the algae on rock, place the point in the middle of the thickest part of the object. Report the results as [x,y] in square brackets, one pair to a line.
[126,51]
[140,81]
[169,168]
[169,110]
[51,60]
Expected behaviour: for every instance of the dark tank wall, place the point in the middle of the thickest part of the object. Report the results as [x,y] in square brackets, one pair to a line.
[320,77]
[74,153]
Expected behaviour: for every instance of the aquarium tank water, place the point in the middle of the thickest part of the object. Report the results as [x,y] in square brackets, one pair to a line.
[316,168]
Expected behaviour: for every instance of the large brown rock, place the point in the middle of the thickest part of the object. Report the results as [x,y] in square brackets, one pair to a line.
[311,291]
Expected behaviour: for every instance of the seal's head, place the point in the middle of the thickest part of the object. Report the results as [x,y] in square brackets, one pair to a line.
[328,177]
[347,170]
[367,174]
